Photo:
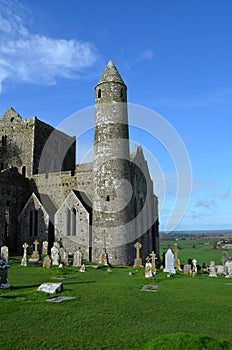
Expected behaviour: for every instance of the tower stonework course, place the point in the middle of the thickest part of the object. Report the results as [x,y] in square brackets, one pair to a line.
[102,207]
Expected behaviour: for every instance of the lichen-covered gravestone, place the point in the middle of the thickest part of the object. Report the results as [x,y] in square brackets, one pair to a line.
[77,258]
[55,255]
[5,253]
[4,274]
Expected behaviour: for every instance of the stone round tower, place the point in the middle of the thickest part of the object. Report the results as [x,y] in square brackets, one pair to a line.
[112,178]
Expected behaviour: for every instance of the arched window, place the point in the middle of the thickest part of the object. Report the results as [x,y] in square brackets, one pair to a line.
[68,222]
[121,93]
[74,215]
[4,139]
[99,93]
[107,198]
[24,171]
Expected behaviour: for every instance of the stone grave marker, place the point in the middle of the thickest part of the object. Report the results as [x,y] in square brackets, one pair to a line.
[187,269]
[153,259]
[47,262]
[77,258]
[24,261]
[212,269]
[169,262]
[35,255]
[63,256]
[82,269]
[194,265]
[220,270]
[228,268]
[5,253]
[148,268]
[50,288]
[176,259]
[3,274]
[138,260]
[55,255]
[45,248]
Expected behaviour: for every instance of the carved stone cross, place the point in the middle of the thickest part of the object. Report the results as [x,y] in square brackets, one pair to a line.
[153,259]
[36,243]
[138,246]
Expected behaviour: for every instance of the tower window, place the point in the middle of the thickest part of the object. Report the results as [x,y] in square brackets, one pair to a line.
[107,198]
[4,138]
[99,93]
[121,93]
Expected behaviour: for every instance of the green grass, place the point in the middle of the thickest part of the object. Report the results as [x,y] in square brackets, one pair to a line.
[200,249]
[110,312]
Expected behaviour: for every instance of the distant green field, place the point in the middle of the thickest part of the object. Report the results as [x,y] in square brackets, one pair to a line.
[111,312]
[201,249]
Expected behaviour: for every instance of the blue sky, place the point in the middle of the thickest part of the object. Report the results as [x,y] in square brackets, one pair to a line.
[175,57]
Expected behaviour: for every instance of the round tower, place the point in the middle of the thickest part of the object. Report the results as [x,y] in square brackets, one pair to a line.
[112,178]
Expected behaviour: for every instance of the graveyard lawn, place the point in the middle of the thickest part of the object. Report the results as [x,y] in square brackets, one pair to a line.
[109,310]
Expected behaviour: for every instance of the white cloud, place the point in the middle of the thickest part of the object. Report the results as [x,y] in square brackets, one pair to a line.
[37,59]
[146,54]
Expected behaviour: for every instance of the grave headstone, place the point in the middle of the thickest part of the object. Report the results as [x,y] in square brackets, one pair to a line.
[228,268]
[220,269]
[55,255]
[176,259]
[47,262]
[45,248]
[50,288]
[194,265]
[24,261]
[212,270]
[35,255]
[3,274]
[82,269]
[77,258]
[63,256]
[138,260]
[148,268]
[169,262]
[153,259]
[5,253]
[187,269]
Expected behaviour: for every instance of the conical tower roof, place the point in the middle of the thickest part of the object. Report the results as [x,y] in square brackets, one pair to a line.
[111,74]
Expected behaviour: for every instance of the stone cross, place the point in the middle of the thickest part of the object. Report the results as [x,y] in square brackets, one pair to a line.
[148,268]
[36,243]
[24,261]
[153,259]
[138,246]
[138,260]
[176,259]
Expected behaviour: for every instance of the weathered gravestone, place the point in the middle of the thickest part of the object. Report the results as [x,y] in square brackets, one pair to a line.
[82,269]
[212,269]
[55,255]
[5,253]
[187,269]
[50,288]
[169,262]
[77,258]
[24,261]
[153,259]
[35,254]
[3,274]
[47,262]
[148,268]
[220,269]
[176,259]
[45,248]
[63,256]
[228,268]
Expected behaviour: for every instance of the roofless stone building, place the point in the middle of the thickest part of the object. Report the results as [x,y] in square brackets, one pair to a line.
[102,207]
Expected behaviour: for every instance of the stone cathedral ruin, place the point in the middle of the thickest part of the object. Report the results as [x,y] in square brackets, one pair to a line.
[103,206]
